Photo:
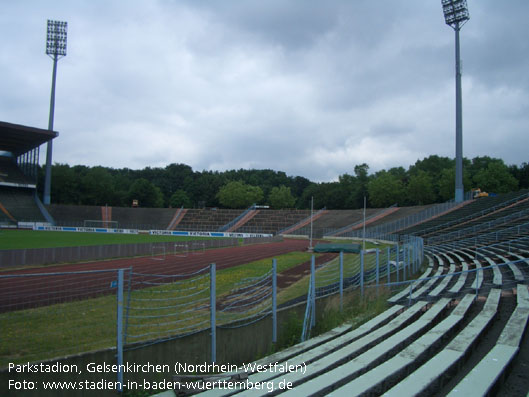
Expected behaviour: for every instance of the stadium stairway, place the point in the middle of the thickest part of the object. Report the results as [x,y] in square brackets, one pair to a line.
[175,220]
[304,222]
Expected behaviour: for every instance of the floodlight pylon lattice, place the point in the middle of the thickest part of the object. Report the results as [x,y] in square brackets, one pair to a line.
[456,15]
[56,48]
[56,38]
[455,12]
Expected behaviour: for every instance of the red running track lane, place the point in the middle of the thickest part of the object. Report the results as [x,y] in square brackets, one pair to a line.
[24,292]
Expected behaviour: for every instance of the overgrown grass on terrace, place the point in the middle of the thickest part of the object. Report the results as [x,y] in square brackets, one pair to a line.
[328,274]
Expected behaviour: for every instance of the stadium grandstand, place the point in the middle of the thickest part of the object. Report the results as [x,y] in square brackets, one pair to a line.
[19,158]
[460,328]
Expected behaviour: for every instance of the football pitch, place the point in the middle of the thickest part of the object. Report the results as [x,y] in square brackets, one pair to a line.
[25,239]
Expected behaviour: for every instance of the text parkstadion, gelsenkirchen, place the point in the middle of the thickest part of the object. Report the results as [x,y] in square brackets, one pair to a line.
[90,368]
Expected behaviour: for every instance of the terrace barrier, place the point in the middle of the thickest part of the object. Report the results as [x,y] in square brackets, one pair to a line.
[400,224]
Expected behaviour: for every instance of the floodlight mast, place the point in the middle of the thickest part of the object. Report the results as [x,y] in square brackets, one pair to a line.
[456,14]
[56,49]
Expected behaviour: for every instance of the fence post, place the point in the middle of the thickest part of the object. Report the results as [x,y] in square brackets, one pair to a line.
[414,256]
[417,255]
[129,293]
[405,255]
[274,300]
[398,262]
[313,290]
[477,282]
[213,308]
[377,268]
[409,296]
[119,330]
[410,259]
[341,280]
[362,273]
[388,268]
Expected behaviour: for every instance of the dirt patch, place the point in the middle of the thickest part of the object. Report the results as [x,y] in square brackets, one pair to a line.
[290,276]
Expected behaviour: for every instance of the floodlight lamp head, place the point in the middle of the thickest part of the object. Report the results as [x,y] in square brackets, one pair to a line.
[455,12]
[56,38]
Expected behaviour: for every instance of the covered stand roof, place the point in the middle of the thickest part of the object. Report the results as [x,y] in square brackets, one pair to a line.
[19,139]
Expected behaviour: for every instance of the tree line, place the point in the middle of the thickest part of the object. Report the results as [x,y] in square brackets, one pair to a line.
[430,180]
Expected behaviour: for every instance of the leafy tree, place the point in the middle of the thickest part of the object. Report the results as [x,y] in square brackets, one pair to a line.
[146,193]
[362,190]
[420,189]
[65,185]
[495,178]
[330,195]
[122,180]
[350,190]
[447,182]
[399,173]
[96,186]
[385,190]
[428,180]
[204,189]
[179,176]
[432,165]
[281,197]
[180,198]
[313,192]
[299,184]
[173,178]
[479,163]
[521,174]
[237,194]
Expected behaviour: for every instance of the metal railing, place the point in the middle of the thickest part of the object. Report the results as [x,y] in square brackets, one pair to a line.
[234,221]
[401,224]
[344,229]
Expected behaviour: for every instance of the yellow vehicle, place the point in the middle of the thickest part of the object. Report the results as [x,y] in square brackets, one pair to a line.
[477,193]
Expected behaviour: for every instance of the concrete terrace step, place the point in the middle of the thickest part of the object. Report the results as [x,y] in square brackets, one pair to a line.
[461,279]
[374,381]
[426,378]
[497,279]
[340,351]
[406,291]
[444,282]
[478,281]
[315,348]
[286,354]
[485,375]
[518,276]
[329,379]
[435,278]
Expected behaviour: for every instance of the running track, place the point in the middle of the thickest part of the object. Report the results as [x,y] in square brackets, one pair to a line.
[31,291]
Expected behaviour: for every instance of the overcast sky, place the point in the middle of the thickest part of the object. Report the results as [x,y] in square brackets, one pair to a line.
[308,87]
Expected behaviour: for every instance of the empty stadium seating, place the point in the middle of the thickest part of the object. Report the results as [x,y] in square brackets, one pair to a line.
[20,205]
[11,175]
[455,331]
[17,195]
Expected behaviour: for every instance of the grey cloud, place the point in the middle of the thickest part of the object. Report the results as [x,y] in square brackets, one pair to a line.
[307,87]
